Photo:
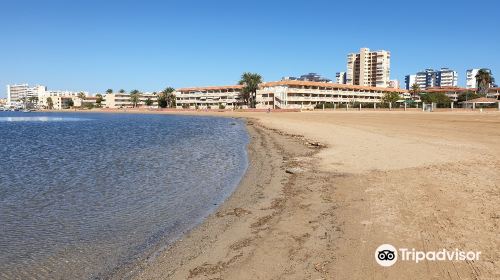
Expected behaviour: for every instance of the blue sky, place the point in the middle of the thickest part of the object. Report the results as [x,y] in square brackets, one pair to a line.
[147,45]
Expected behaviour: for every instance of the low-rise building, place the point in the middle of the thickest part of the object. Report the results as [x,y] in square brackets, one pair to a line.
[306,95]
[122,100]
[285,94]
[209,97]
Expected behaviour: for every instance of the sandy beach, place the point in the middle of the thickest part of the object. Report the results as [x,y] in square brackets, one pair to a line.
[325,189]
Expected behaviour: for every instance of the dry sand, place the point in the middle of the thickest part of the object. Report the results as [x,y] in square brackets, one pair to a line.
[411,179]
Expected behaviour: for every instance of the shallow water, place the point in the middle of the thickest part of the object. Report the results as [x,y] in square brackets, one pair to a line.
[84,194]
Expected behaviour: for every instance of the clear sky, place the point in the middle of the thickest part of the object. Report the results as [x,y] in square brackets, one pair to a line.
[93,45]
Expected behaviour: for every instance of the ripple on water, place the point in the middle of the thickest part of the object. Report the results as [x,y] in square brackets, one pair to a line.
[78,199]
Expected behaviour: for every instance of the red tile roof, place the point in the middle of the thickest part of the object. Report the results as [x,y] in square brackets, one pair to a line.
[295,83]
[237,87]
[329,85]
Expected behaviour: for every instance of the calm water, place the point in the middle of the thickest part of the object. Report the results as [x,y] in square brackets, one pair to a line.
[84,194]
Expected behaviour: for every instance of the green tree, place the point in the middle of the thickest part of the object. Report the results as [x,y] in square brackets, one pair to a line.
[109,91]
[148,102]
[250,82]
[415,90]
[121,91]
[82,96]
[390,98]
[70,103]
[166,98]
[439,98]
[50,103]
[468,95]
[484,79]
[98,99]
[135,96]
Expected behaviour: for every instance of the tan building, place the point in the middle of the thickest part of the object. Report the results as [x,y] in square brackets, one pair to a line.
[369,68]
[205,97]
[122,100]
[19,92]
[287,94]
[306,95]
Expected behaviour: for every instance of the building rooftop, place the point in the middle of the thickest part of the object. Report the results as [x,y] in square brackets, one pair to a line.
[330,85]
[209,88]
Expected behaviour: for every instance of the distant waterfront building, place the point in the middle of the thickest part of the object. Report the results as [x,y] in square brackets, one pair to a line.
[428,78]
[410,80]
[369,68]
[341,78]
[311,77]
[62,98]
[122,100]
[18,92]
[213,97]
[284,94]
[393,84]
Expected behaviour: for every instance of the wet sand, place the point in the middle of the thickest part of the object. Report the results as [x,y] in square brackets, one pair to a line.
[318,211]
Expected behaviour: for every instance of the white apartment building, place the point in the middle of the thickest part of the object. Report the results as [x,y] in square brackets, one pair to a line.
[61,99]
[410,80]
[122,100]
[205,97]
[471,78]
[306,95]
[369,68]
[284,94]
[446,78]
[430,78]
[18,92]
[341,78]
[471,81]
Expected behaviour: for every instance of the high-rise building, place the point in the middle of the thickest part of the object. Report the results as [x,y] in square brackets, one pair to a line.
[341,78]
[369,68]
[410,81]
[470,76]
[446,78]
[17,93]
[431,78]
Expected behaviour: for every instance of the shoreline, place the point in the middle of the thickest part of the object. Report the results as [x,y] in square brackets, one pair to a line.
[324,189]
[242,220]
[376,180]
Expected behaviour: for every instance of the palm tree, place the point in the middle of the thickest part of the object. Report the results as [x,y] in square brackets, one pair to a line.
[99,99]
[251,82]
[415,90]
[166,98]
[109,91]
[50,103]
[148,102]
[121,91]
[135,96]
[484,79]
[81,95]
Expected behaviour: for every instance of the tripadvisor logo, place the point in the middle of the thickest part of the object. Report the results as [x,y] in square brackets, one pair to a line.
[386,255]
